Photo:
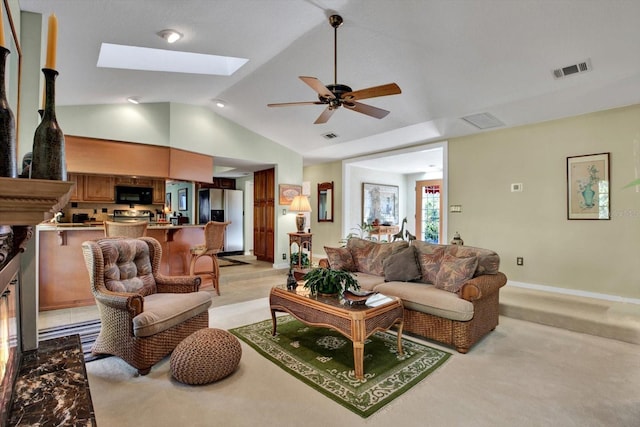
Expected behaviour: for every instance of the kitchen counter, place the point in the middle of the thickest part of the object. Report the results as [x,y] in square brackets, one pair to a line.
[62,277]
[98,226]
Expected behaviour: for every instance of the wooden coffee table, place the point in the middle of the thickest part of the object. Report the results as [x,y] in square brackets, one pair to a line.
[356,322]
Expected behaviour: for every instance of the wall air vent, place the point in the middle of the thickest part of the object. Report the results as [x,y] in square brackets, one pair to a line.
[580,67]
[483,121]
[329,135]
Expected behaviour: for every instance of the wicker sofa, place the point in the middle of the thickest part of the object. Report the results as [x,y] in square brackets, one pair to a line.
[450,292]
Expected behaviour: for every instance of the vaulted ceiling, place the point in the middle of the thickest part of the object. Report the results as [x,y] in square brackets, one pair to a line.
[451,58]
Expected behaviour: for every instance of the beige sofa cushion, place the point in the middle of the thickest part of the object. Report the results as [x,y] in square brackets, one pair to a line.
[368,282]
[369,255]
[428,299]
[163,311]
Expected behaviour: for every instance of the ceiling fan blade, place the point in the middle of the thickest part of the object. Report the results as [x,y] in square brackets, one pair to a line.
[325,116]
[290,104]
[372,92]
[369,110]
[318,86]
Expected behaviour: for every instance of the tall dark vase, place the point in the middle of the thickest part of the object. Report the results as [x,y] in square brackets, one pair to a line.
[49,161]
[8,159]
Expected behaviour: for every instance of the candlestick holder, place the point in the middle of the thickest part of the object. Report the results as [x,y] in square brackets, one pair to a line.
[49,161]
[8,159]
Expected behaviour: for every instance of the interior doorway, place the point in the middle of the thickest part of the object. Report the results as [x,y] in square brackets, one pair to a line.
[429,210]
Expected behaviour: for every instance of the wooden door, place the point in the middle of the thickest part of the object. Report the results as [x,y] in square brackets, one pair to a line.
[264,191]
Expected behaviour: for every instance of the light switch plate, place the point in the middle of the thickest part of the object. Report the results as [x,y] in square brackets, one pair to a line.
[516,187]
[455,208]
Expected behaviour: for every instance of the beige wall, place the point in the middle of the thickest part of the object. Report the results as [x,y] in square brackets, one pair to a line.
[583,255]
[325,233]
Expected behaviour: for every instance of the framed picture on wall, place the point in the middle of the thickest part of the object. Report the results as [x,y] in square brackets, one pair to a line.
[380,202]
[182,200]
[588,187]
[288,192]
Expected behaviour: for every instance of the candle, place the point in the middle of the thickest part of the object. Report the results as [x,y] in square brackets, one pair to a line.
[2,31]
[52,37]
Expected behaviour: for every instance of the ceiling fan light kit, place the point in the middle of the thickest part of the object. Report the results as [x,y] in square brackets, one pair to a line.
[337,95]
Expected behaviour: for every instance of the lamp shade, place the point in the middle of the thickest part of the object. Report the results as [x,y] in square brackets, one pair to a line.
[300,204]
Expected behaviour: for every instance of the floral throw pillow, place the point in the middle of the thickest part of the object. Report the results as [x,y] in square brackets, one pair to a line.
[454,272]
[340,259]
[430,265]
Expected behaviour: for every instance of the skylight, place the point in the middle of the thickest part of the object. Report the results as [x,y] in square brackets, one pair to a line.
[148,59]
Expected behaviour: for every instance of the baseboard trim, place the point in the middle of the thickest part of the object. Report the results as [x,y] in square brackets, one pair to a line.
[573,292]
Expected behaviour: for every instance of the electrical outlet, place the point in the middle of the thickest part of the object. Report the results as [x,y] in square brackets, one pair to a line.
[519,260]
[284,256]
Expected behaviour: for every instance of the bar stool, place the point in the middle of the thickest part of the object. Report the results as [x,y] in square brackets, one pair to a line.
[125,229]
[213,244]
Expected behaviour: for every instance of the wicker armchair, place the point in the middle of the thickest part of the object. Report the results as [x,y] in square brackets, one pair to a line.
[213,244]
[125,229]
[144,314]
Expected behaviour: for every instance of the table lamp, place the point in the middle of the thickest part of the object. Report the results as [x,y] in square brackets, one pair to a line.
[300,204]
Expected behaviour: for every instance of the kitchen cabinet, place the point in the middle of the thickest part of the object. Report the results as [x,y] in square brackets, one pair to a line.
[159,188]
[224,183]
[99,188]
[77,191]
[136,182]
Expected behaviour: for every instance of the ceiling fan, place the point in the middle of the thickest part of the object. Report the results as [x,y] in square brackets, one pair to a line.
[337,95]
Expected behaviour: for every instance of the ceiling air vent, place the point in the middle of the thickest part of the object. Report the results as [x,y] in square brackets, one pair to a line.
[580,67]
[329,135]
[483,121]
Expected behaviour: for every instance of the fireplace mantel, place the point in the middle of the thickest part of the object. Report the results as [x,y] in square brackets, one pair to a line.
[23,204]
[27,201]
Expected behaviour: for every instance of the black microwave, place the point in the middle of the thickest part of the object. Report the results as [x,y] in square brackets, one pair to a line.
[131,195]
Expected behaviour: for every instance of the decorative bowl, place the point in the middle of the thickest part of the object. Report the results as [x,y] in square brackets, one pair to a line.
[356,297]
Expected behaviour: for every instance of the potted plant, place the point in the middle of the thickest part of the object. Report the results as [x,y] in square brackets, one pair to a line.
[326,281]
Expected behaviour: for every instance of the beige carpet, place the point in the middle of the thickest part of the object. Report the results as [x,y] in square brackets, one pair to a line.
[522,374]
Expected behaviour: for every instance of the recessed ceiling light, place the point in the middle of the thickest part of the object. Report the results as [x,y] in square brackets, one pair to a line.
[171,36]
[148,59]
[133,100]
[219,103]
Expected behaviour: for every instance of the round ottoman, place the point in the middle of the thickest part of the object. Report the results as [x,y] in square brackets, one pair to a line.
[205,356]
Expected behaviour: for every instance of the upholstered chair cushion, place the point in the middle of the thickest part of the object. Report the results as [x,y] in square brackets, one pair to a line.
[163,311]
[340,259]
[369,255]
[454,272]
[402,266]
[127,266]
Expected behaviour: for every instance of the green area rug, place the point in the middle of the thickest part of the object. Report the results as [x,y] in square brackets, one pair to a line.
[323,359]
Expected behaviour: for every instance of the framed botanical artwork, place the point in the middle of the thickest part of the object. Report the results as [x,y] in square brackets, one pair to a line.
[380,202]
[182,200]
[288,192]
[588,186]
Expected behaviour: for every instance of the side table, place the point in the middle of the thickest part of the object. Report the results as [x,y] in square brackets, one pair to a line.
[303,240]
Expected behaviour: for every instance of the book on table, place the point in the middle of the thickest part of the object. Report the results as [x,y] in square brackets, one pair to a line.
[377,299]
